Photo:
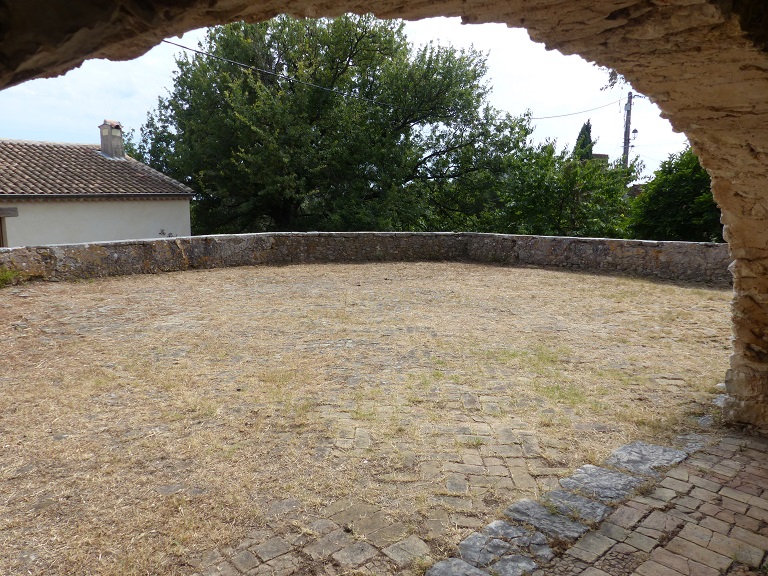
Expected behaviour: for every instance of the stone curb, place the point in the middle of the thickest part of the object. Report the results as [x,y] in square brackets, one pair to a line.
[527,539]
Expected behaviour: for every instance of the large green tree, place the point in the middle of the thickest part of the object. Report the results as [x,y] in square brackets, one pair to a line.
[677,204]
[338,124]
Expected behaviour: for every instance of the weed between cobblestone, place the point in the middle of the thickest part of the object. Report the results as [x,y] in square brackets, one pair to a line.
[148,420]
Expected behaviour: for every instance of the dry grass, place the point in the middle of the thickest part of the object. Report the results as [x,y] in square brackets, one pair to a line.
[145,419]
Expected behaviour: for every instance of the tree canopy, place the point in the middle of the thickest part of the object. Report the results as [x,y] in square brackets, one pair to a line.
[339,124]
[342,124]
[677,203]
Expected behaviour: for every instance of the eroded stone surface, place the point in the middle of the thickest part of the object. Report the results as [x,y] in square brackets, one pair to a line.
[601,483]
[513,566]
[480,550]
[727,478]
[454,567]
[578,507]
[501,529]
[642,458]
[554,525]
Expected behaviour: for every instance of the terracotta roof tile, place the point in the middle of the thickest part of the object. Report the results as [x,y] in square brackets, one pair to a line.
[48,169]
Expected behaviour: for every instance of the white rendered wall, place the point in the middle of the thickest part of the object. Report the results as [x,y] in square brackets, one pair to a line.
[74,222]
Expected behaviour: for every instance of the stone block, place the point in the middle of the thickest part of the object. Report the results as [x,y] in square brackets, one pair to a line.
[577,507]
[505,530]
[626,517]
[271,548]
[328,544]
[651,568]
[642,458]
[600,483]
[515,565]
[737,550]
[613,531]
[595,543]
[481,550]
[354,513]
[698,554]
[737,495]
[680,564]
[677,485]
[696,534]
[756,540]
[388,535]
[368,524]
[454,567]
[715,525]
[407,551]
[245,561]
[641,542]
[556,526]
[221,569]
[354,555]
[662,522]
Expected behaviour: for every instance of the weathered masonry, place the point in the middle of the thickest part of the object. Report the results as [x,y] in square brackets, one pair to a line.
[704,62]
[676,261]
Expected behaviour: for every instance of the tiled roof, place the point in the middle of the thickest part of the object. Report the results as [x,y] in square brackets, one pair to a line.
[78,170]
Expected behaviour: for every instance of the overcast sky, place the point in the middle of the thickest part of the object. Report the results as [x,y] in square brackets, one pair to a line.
[523,75]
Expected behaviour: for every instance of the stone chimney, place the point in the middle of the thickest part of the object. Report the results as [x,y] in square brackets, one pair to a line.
[112,139]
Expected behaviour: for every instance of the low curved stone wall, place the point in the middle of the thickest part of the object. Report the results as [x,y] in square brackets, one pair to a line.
[685,261]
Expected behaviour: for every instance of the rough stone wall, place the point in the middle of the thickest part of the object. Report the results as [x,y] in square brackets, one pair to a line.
[690,262]
[704,62]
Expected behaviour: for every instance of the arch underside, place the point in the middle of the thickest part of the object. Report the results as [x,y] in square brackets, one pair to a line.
[704,62]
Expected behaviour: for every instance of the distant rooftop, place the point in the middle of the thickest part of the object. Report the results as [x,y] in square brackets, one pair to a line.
[45,169]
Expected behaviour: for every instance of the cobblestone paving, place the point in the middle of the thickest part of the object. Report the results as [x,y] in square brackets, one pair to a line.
[343,419]
[705,516]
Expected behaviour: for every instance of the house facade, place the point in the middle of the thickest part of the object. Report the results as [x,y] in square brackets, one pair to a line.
[54,193]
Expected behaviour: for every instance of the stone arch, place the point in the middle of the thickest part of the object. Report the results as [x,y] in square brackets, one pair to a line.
[704,62]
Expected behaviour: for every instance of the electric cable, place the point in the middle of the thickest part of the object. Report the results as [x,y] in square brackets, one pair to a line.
[283,76]
[576,113]
[339,92]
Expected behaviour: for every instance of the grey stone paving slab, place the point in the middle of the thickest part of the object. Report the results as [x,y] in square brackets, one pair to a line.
[323,526]
[388,535]
[578,507]
[281,566]
[245,561]
[505,530]
[554,525]
[601,483]
[480,550]
[407,551]
[542,552]
[271,549]
[516,565]
[368,524]
[328,544]
[454,567]
[354,513]
[355,554]
[221,569]
[642,458]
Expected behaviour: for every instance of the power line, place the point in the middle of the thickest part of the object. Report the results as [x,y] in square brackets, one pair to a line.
[576,113]
[339,92]
[283,76]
